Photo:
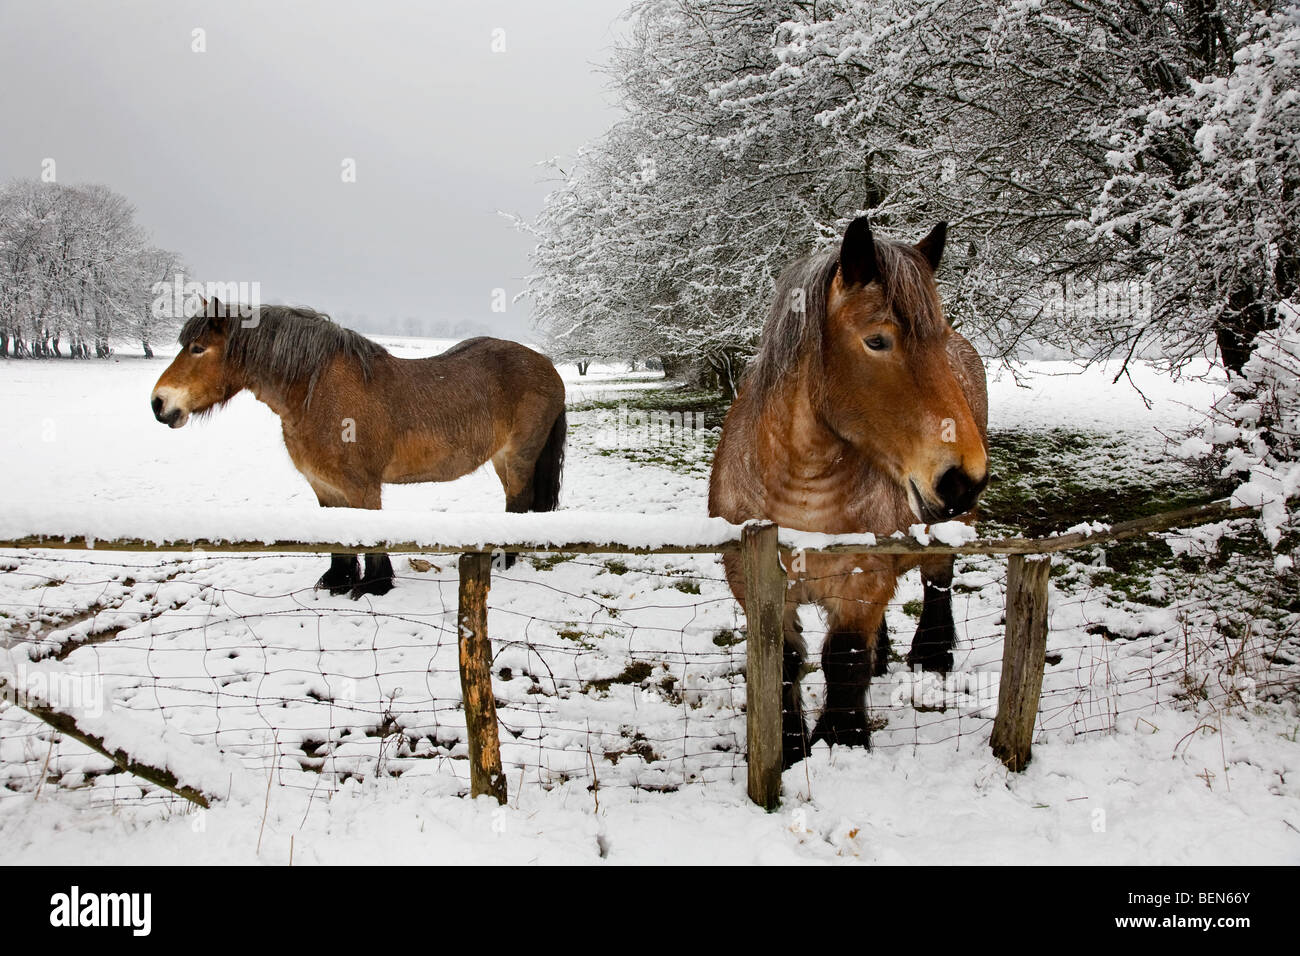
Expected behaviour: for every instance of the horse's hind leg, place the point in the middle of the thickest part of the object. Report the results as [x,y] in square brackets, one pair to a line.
[517,481]
[515,470]
[794,732]
[880,665]
[936,634]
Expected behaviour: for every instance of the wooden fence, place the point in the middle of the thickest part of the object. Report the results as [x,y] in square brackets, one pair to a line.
[760,546]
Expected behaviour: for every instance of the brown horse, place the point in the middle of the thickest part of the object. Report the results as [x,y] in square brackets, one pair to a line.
[863,412]
[354,416]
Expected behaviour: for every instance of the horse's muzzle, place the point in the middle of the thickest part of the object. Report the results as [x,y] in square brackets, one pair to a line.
[957,493]
[172,418]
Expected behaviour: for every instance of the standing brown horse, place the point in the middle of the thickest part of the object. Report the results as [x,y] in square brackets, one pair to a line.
[864,412]
[354,416]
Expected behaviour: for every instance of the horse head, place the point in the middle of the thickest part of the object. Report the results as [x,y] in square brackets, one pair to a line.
[889,385]
[200,377]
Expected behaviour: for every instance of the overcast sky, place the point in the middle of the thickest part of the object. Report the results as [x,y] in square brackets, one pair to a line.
[234,157]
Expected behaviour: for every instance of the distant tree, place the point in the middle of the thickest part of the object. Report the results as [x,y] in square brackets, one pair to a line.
[156,267]
[75,267]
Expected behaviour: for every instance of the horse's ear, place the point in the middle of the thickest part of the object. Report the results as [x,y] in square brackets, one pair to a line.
[932,245]
[858,254]
[218,316]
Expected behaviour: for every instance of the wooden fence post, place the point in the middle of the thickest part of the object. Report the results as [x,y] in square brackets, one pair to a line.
[485,774]
[765,585]
[1024,650]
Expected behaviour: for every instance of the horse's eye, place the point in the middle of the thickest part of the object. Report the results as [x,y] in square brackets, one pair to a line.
[197,349]
[877,343]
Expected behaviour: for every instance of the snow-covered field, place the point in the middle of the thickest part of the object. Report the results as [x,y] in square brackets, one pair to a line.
[330,730]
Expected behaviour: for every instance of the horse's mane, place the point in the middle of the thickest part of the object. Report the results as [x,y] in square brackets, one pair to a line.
[797,319]
[284,345]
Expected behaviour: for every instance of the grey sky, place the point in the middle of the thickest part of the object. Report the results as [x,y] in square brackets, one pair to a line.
[233,157]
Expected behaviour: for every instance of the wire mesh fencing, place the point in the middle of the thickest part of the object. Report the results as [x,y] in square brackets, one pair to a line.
[608,670]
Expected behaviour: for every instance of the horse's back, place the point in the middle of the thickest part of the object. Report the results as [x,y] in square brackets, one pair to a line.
[499,356]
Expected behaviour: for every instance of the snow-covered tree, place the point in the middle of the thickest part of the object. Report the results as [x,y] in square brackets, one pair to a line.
[661,243]
[75,269]
[1204,196]
[755,131]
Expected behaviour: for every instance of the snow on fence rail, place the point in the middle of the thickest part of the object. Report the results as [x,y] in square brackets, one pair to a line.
[476,538]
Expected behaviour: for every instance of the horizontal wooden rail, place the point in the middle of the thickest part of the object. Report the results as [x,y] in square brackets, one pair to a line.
[1220,510]
[321,547]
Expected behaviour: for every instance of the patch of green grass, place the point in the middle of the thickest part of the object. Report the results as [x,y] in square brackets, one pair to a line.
[635,672]
[1048,480]
[913,608]
[693,456]
[687,586]
[674,398]
[545,562]
[728,638]
[582,638]
[688,452]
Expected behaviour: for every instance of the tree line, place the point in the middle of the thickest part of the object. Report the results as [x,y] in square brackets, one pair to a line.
[1077,145]
[77,272]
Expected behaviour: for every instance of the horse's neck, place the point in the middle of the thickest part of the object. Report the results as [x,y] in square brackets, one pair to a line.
[813,479]
[287,403]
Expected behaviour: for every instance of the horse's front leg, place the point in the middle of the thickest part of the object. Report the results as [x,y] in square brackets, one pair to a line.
[936,634]
[849,655]
[344,570]
[342,575]
[345,574]
[377,578]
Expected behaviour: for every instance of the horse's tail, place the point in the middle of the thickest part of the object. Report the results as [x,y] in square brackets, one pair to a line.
[549,467]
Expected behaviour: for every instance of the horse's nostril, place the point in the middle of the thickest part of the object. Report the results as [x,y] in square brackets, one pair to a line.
[957,491]
[157,406]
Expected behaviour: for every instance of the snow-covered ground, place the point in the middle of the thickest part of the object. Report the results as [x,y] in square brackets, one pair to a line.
[330,729]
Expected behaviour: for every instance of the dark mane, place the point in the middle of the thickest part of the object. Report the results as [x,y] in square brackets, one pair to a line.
[284,345]
[798,315]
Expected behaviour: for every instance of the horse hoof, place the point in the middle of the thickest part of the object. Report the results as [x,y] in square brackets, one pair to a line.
[377,587]
[336,588]
[933,656]
[937,663]
[845,728]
